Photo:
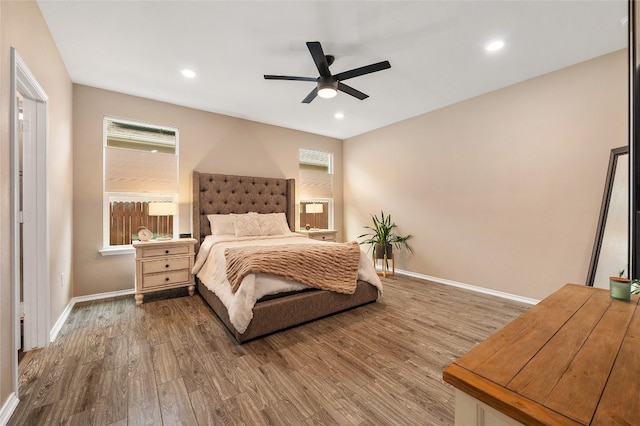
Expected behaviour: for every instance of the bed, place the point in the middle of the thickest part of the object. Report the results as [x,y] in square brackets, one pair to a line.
[222,195]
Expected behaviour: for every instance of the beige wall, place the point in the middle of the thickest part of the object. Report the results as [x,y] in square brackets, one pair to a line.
[207,142]
[22,27]
[501,191]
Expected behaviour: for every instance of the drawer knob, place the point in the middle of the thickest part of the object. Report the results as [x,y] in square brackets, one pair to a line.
[166,251]
[166,266]
[166,279]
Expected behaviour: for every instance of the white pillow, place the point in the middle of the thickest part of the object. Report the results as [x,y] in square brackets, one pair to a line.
[221,224]
[246,225]
[273,224]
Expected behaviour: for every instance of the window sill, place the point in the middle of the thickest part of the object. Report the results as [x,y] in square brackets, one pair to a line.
[113,251]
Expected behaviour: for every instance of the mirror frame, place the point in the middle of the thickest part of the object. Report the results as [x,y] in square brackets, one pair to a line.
[616,153]
[634,141]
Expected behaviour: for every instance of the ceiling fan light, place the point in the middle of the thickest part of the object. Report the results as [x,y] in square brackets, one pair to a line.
[327,92]
[327,87]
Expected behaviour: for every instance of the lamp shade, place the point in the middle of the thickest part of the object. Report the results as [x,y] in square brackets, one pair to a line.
[162,209]
[313,208]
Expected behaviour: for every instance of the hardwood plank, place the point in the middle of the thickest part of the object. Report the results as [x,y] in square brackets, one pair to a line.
[192,369]
[86,394]
[113,396]
[143,403]
[116,352]
[283,412]
[57,381]
[140,358]
[30,370]
[325,395]
[240,410]
[293,391]
[174,403]
[165,363]
[94,347]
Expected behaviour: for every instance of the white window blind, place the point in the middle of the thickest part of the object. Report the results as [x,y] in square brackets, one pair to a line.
[315,184]
[130,170]
[315,174]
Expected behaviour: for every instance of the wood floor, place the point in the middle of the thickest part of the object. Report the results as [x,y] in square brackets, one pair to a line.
[170,361]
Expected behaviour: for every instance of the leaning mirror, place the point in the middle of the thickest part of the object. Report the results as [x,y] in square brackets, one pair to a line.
[611,247]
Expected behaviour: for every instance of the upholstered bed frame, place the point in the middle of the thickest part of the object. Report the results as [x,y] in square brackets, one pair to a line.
[223,194]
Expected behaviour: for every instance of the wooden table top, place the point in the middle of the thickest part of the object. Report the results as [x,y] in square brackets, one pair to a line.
[572,359]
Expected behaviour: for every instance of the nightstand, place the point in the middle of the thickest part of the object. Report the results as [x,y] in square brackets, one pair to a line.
[161,265]
[320,234]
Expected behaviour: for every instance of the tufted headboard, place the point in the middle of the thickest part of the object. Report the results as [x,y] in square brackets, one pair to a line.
[223,194]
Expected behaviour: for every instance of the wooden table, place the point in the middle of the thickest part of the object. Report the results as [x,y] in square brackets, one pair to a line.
[573,359]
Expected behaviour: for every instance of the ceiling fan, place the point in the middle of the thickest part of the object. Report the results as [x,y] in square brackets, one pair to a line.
[328,84]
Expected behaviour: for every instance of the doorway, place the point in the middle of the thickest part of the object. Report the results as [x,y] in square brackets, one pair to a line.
[30,230]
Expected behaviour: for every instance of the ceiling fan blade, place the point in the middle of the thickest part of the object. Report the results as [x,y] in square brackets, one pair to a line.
[351,91]
[311,96]
[318,57]
[289,77]
[368,69]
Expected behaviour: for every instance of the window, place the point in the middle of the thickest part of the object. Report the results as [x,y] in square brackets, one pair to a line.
[140,180]
[316,189]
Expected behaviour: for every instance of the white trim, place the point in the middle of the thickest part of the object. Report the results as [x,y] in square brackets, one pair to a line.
[497,293]
[8,408]
[67,310]
[117,250]
[37,293]
[99,296]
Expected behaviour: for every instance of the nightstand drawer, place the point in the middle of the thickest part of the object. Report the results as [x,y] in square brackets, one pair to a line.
[158,280]
[165,265]
[320,234]
[324,237]
[164,251]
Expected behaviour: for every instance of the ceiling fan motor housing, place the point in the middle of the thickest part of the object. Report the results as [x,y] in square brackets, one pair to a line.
[327,87]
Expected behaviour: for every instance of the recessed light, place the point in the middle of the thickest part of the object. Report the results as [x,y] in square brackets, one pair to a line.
[188,73]
[494,45]
[339,115]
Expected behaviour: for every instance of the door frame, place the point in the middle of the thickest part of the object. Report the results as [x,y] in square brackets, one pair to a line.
[37,291]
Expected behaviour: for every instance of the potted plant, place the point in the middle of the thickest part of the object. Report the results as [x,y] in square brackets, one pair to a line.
[382,237]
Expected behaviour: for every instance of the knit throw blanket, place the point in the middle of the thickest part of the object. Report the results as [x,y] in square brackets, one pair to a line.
[329,266]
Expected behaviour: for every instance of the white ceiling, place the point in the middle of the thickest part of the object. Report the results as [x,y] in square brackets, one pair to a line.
[435,49]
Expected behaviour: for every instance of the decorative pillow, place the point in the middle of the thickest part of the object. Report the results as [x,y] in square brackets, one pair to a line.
[246,225]
[221,224]
[273,224]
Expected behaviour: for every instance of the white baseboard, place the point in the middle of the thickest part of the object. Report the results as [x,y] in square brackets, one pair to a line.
[67,310]
[8,408]
[63,317]
[497,293]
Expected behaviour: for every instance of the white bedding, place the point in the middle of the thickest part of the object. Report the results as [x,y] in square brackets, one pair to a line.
[210,268]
